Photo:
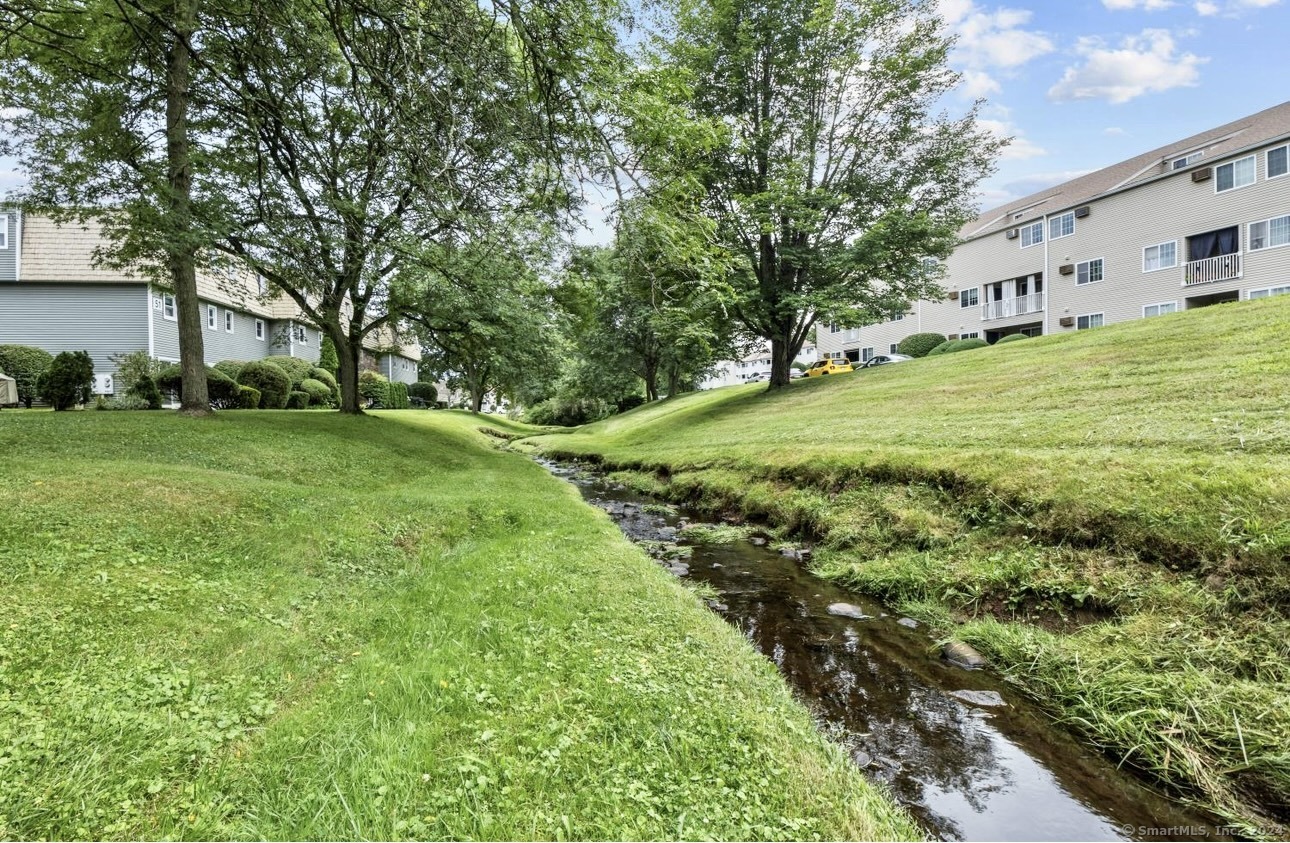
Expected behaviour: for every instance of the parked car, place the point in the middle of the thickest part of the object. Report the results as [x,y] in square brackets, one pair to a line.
[884,359]
[756,377]
[828,367]
[794,374]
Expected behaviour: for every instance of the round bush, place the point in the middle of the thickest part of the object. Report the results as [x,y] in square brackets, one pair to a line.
[297,400]
[25,365]
[1011,338]
[943,348]
[68,380]
[248,398]
[295,368]
[146,389]
[319,374]
[920,345]
[954,346]
[427,392]
[270,379]
[232,368]
[221,390]
[319,393]
[373,386]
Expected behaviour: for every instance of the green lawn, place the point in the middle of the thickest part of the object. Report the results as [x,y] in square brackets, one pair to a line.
[1106,513]
[282,625]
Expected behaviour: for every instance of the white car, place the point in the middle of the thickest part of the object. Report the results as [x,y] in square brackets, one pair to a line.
[884,359]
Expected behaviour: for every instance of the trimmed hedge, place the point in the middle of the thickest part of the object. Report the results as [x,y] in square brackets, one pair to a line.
[146,389]
[68,380]
[328,360]
[297,400]
[952,346]
[220,388]
[295,368]
[920,345]
[232,368]
[1011,338]
[373,386]
[320,394]
[248,398]
[274,383]
[25,365]
[427,392]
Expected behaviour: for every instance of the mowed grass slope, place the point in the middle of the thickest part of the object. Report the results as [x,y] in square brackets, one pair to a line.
[302,626]
[1106,513]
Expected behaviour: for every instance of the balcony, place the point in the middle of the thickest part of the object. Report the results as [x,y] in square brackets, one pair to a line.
[1211,270]
[1019,306]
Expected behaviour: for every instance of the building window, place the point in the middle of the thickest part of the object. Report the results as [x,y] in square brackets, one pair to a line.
[1088,272]
[1162,256]
[210,316]
[1269,291]
[851,335]
[970,335]
[866,354]
[302,335]
[259,329]
[1061,226]
[168,307]
[228,321]
[891,349]
[1033,234]
[261,284]
[1160,309]
[969,297]
[897,316]
[1278,161]
[1091,320]
[1268,234]
[4,231]
[1186,160]
[1234,174]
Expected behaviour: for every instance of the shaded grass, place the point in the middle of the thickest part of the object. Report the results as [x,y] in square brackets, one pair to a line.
[292,625]
[1096,492]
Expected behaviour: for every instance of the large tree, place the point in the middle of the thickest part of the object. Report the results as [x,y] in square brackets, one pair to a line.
[99,112]
[825,166]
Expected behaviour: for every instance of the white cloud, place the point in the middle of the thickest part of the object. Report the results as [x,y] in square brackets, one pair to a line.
[1114,131]
[990,39]
[1145,5]
[1206,9]
[1230,8]
[978,84]
[1009,192]
[1142,64]
[998,122]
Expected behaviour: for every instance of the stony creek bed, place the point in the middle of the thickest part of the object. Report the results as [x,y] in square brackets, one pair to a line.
[962,750]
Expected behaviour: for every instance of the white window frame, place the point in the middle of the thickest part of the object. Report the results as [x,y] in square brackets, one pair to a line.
[1089,317]
[1061,220]
[891,349]
[1254,175]
[1157,246]
[1267,162]
[302,335]
[976,297]
[1268,292]
[1173,305]
[4,231]
[262,285]
[1267,233]
[851,335]
[229,321]
[1029,229]
[259,329]
[866,354]
[210,316]
[1188,159]
[168,308]
[1089,263]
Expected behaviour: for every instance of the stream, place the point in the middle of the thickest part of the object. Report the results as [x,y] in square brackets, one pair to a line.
[962,750]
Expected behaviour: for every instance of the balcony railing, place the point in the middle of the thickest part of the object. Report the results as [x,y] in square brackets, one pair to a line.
[1209,270]
[1003,308]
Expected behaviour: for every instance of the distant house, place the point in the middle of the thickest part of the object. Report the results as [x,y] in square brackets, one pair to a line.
[52,296]
[1199,222]
[751,367]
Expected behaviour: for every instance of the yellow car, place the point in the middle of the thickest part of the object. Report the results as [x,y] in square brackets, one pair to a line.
[828,367]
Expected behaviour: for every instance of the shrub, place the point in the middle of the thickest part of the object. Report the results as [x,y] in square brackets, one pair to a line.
[220,388]
[327,359]
[920,345]
[124,402]
[297,400]
[25,365]
[952,346]
[943,348]
[427,392]
[232,368]
[273,383]
[1011,338]
[630,402]
[68,380]
[398,393]
[248,398]
[568,412]
[373,387]
[320,374]
[134,366]
[295,368]
[145,388]
[320,394]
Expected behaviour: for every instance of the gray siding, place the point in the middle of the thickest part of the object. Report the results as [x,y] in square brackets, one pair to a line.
[282,343]
[99,318]
[217,343]
[9,254]
[398,368]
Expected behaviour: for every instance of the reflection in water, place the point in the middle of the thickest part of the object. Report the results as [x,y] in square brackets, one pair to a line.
[965,772]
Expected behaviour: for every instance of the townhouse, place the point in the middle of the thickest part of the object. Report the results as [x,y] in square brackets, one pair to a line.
[1199,222]
[54,296]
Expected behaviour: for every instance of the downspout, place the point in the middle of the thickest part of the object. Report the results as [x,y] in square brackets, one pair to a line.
[1048,300]
[147,311]
[291,338]
[17,246]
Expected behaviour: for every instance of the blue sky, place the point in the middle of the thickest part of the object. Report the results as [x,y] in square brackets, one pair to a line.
[1084,84]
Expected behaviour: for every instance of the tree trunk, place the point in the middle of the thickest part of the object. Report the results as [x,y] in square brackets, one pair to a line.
[193,399]
[347,354]
[651,380]
[476,399]
[781,360]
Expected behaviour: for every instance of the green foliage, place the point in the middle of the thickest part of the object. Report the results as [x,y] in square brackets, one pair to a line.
[374,387]
[124,402]
[398,395]
[134,366]
[25,365]
[953,346]
[568,412]
[920,345]
[295,368]
[320,394]
[1011,338]
[942,348]
[248,398]
[231,368]
[427,392]
[221,389]
[297,400]
[327,359]
[146,389]
[320,374]
[273,383]
[68,380]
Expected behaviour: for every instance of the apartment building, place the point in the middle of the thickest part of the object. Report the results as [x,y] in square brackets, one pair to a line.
[751,367]
[1199,222]
[53,296]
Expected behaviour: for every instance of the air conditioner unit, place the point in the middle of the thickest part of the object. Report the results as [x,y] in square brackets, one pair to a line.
[1066,269]
[954,294]
[1203,174]
[1013,234]
[1081,212]
[952,337]
[1066,321]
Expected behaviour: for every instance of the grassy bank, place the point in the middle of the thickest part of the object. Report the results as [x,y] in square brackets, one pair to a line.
[1107,514]
[301,626]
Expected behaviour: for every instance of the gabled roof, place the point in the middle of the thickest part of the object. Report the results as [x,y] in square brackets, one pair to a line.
[1246,133]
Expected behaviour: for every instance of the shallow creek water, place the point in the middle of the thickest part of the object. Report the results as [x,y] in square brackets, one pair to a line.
[876,685]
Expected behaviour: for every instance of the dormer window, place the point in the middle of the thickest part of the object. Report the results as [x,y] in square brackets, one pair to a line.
[1187,160]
